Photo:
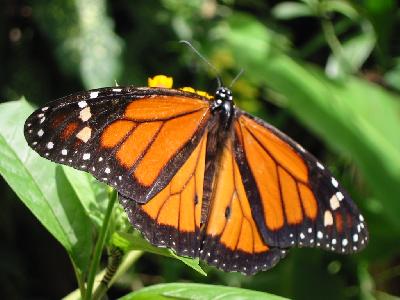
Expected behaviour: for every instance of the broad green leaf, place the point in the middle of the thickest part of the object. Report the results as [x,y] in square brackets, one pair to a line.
[42,185]
[84,38]
[197,291]
[135,241]
[353,116]
[291,10]
[91,193]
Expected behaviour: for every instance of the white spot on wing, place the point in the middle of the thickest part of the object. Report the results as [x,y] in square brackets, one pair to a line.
[50,145]
[83,104]
[355,238]
[345,242]
[117,90]
[300,147]
[328,218]
[85,134]
[334,182]
[64,151]
[40,132]
[86,156]
[319,165]
[107,170]
[94,95]
[85,114]
[340,196]
[334,202]
[319,235]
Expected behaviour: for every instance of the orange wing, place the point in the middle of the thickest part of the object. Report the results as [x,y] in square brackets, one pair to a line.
[294,199]
[134,139]
[172,217]
[232,241]
[153,139]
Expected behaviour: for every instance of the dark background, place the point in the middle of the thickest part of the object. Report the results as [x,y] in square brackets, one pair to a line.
[52,48]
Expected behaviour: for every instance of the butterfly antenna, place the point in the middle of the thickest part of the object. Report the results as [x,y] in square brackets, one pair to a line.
[204,59]
[236,78]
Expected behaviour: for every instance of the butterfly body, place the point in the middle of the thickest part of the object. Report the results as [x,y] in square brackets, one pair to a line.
[200,176]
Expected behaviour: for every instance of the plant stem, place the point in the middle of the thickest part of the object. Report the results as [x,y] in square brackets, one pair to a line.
[99,246]
[79,279]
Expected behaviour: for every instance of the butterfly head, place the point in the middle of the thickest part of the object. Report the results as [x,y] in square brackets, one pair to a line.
[223,97]
[223,102]
[223,94]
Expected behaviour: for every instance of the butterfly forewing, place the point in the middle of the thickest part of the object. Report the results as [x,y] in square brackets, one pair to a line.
[134,139]
[295,200]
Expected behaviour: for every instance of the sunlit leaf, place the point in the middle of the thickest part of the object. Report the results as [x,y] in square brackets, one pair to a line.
[42,185]
[91,193]
[135,241]
[197,291]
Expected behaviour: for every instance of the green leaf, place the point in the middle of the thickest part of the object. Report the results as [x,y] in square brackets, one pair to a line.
[42,185]
[135,241]
[197,291]
[291,10]
[91,193]
[354,117]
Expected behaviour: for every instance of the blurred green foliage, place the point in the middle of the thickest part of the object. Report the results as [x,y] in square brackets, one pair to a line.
[327,72]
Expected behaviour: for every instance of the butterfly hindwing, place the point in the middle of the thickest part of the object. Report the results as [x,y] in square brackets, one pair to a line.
[295,200]
[232,241]
[172,217]
[134,139]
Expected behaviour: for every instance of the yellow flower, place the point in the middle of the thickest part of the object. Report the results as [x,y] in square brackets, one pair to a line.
[192,90]
[161,81]
[188,89]
[204,94]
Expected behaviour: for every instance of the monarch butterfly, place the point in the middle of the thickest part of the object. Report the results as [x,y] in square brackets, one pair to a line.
[200,176]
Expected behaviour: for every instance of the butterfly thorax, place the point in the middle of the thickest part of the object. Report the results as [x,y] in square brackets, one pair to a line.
[223,104]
